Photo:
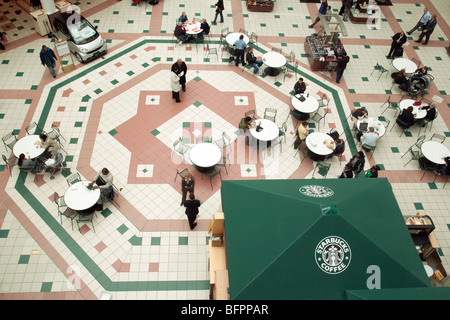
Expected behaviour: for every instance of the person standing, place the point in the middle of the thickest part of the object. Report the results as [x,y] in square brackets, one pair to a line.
[348,6]
[322,11]
[341,65]
[175,83]
[356,163]
[422,21]
[240,48]
[182,69]
[427,30]
[219,10]
[192,206]
[48,58]
[254,62]
[187,184]
[397,41]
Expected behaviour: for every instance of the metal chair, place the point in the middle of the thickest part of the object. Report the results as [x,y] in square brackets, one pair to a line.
[9,140]
[323,167]
[85,218]
[63,209]
[223,163]
[425,123]
[380,69]
[224,31]
[415,155]
[369,148]
[57,165]
[438,137]
[73,178]
[181,173]
[10,163]
[417,144]
[417,62]
[282,131]
[391,105]
[211,175]
[34,126]
[278,50]
[330,67]
[270,114]
[243,31]
[56,133]
[180,148]
[211,51]
[224,142]
[317,117]
[253,39]
[283,71]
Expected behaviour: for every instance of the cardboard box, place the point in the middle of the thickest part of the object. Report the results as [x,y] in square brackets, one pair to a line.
[216,241]
[218,224]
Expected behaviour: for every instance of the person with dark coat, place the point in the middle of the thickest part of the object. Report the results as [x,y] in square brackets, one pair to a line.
[180,33]
[192,206]
[322,11]
[431,111]
[427,30]
[398,40]
[205,28]
[300,86]
[219,10]
[187,185]
[406,118]
[182,70]
[357,163]
[48,58]
[341,65]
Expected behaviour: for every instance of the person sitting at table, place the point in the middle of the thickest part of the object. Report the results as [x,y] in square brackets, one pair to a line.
[302,133]
[187,184]
[50,145]
[245,125]
[104,180]
[180,33]
[253,61]
[406,118]
[359,114]
[369,139]
[431,111]
[183,18]
[357,163]
[26,164]
[300,86]
[205,28]
[416,76]
[399,77]
[445,168]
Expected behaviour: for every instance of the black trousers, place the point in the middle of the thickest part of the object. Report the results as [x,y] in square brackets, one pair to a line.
[176,96]
[191,219]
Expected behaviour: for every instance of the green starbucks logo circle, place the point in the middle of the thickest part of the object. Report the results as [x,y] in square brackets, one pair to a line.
[316,191]
[333,255]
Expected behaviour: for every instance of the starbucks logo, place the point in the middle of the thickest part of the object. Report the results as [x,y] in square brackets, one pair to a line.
[316,191]
[333,255]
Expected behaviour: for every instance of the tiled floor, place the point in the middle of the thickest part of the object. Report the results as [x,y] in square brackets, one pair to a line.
[117,112]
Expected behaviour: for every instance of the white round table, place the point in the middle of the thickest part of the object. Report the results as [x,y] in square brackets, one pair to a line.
[435,151]
[403,63]
[375,123]
[270,130]
[192,27]
[315,142]
[419,113]
[310,104]
[78,197]
[273,61]
[232,37]
[205,155]
[27,146]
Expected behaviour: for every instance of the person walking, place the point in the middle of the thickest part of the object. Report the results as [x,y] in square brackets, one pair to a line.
[182,69]
[341,65]
[427,30]
[398,40]
[348,7]
[422,21]
[192,206]
[240,49]
[175,83]
[48,58]
[219,11]
[322,11]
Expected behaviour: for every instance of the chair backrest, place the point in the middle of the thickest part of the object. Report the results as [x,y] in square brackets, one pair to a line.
[277,50]
[254,36]
[224,31]
[243,31]
[58,159]
[8,136]
[73,177]
[56,198]
[250,113]
[177,142]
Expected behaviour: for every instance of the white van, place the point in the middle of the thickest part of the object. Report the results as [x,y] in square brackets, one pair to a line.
[83,39]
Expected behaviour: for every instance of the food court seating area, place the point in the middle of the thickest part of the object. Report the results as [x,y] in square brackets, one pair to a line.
[117,112]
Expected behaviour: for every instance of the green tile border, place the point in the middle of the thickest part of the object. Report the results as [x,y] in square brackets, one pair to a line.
[74,247]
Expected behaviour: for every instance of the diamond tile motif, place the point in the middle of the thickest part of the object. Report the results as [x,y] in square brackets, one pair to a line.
[241,100]
[144,171]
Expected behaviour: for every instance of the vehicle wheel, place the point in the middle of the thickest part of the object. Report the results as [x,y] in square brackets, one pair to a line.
[77,55]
